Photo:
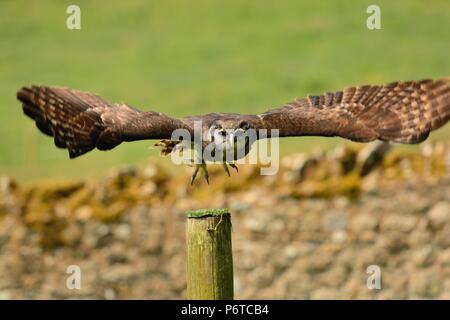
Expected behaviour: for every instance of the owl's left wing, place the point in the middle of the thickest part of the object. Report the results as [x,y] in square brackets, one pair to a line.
[402,112]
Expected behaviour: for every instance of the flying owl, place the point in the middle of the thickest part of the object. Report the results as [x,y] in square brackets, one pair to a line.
[403,112]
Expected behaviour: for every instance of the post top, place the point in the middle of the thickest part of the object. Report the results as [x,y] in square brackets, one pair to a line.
[201,213]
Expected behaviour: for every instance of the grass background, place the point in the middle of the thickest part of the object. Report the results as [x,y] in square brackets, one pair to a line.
[185,57]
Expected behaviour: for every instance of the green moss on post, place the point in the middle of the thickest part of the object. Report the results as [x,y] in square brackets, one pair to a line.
[209,255]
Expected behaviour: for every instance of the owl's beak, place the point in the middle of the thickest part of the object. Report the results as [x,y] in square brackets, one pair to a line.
[237,134]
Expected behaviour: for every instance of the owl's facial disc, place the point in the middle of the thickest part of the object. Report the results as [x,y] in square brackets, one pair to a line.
[220,135]
[229,133]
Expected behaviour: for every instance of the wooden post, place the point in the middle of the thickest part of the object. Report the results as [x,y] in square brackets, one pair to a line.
[209,255]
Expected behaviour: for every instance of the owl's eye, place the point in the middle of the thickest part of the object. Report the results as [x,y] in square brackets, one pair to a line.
[213,128]
[244,125]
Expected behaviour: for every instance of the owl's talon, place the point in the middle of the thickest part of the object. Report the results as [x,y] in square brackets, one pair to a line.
[205,172]
[234,167]
[225,167]
[194,174]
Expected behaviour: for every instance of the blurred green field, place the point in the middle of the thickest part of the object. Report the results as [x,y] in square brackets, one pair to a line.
[184,57]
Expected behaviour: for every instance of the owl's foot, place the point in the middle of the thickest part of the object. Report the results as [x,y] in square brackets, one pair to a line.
[225,167]
[234,167]
[205,172]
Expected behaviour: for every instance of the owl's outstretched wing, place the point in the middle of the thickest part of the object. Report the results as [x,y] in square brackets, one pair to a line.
[402,112]
[81,121]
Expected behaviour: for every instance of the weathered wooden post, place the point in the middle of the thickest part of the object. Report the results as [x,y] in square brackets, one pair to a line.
[209,255]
